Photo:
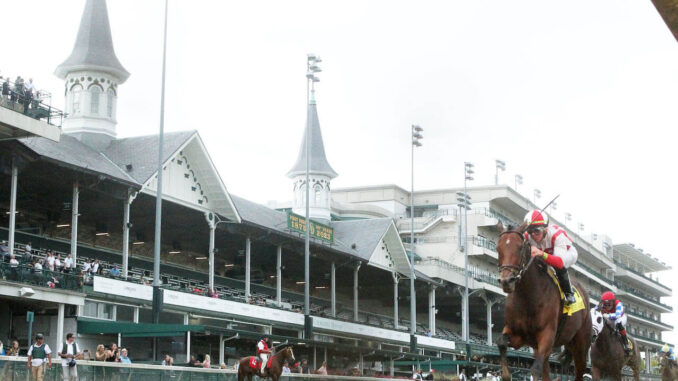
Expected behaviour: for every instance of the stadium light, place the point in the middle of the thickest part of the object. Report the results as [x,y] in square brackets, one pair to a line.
[498,165]
[416,142]
[519,181]
[537,195]
[468,172]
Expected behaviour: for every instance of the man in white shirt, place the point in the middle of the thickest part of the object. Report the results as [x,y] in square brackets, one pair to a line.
[95,267]
[37,354]
[68,263]
[86,267]
[462,375]
[69,352]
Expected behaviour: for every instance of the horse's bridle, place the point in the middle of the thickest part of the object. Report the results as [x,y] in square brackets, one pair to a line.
[517,271]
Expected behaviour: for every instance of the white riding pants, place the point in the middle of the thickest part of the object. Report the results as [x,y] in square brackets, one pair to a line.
[264,360]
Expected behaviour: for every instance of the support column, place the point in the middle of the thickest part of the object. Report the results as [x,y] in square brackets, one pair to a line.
[315,358]
[278,277]
[135,318]
[211,222]
[391,367]
[125,232]
[396,279]
[74,224]
[355,292]
[60,327]
[221,348]
[648,360]
[188,339]
[489,302]
[248,248]
[463,312]
[362,364]
[432,310]
[333,289]
[12,208]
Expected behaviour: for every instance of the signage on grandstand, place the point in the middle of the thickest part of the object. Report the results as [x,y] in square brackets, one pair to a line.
[298,223]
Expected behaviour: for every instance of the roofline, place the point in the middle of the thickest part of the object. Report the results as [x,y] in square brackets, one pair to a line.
[62,71]
[147,182]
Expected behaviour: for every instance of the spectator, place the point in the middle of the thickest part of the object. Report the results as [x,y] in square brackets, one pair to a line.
[50,260]
[462,375]
[37,266]
[304,367]
[429,376]
[115,271]
[37,353]
[222,366]
[87,267]
[2,349]
[123,357]
[323,369]
[13,349]
[13,262]
[29,248]
[69,352]
[286,368]
[100,354]
[113,354]
[211,293]
[68,263]
[95,267]
[418,376]
[4,249]
[58,265]
[206,363]
[168,361]
[5,91]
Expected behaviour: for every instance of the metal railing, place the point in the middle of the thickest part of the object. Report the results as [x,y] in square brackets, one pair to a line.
[44,278]
[473,271]
[642,295]
[35,104]
[640,274]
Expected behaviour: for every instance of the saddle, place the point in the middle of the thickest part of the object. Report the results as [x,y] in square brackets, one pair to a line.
[567,309]
[255,363]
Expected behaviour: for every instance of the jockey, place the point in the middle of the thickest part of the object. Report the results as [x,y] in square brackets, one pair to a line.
[263,352]
[613,310]
[553,245]
[668,352]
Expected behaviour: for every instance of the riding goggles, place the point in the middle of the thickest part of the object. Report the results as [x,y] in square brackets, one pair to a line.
[535,230]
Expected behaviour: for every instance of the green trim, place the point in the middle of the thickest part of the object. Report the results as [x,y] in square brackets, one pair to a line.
[126,329]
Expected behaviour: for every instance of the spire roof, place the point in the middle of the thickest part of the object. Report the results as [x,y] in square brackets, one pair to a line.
[93,48]
[319,163]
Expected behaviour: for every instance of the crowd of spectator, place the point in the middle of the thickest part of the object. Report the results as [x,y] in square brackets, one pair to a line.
[21,93]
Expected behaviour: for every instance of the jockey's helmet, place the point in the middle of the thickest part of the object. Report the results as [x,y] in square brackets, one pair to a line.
[665,348]
[536,219]
[607,295]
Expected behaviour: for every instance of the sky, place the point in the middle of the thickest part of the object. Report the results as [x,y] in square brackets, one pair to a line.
[577,97]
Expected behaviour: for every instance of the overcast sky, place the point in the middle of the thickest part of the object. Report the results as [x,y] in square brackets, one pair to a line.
[578,97]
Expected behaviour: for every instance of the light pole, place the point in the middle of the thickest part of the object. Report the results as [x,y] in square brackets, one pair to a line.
[537,195]
[581,227]
[468,176]
[568,217]
[416,142]
[519,181]
[498,165]
[312,68]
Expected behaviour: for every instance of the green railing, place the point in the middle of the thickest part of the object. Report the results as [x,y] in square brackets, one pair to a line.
[641,295]
[14,369]
[640,274]
[43,278]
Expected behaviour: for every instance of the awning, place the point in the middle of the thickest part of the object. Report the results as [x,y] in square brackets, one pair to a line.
[126,329]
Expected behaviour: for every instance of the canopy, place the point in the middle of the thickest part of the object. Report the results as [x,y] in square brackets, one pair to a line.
[126,329]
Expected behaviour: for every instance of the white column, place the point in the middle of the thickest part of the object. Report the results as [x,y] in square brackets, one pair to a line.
[396,279]
[221,349]
[315,363]
[648,365]
[362,363]
[74,223]
[188,339]
[211,222]
[60,327]
[278,277]
[432,310]
[355,293]
[248,247]
[333,289]
[463,312]
[391,367]
[125,234]
[489,303]
[12,208]
[135,318]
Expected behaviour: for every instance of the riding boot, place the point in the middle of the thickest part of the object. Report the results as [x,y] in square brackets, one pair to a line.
[564,281]
[624,340]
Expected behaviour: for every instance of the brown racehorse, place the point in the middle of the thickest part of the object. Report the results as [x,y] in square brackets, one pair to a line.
[669,369]
[533,309]
[608,357]
[274,371]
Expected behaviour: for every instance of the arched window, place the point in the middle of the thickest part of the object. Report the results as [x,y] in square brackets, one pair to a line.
[110,98]
[95,92]
[318,194]
[76,92]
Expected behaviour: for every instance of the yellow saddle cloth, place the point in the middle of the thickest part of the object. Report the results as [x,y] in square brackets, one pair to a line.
[574,307]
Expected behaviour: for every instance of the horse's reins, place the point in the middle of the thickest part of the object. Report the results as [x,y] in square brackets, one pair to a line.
[518,270]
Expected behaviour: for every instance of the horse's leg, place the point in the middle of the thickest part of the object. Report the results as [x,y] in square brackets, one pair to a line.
[579,348]
[595,373]
[545,340]
[503,343]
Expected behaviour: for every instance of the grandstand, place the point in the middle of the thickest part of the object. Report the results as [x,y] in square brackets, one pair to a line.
[232,270]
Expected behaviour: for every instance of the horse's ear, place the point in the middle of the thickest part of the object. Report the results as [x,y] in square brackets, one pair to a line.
[523,227]
[500,227]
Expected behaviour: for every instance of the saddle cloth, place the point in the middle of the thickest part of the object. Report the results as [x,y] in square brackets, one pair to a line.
[256,363]
[572,308]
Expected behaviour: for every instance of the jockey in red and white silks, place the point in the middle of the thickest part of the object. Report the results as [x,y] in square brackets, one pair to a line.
[263,352]
[553,245]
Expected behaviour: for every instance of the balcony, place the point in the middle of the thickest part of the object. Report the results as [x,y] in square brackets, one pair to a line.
[593,274]
[483,246]
[640,280]
[638,296]
[22,116]
[656,323]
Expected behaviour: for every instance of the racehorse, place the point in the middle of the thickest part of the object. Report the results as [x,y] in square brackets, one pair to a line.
[607,353]
[534,314]
[277,361]
[669,369]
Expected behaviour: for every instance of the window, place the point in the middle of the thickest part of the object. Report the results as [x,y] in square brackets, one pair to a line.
[318,194]
[110,98]
[95,92]
[98,310]
[76,91]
